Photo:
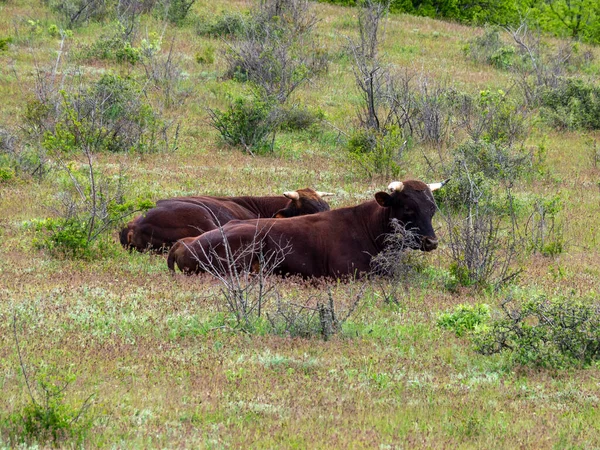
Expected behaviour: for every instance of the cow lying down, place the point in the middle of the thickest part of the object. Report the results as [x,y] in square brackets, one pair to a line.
[180,217]
[328,244]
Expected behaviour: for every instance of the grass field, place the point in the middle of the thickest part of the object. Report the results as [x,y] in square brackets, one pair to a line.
[155,352]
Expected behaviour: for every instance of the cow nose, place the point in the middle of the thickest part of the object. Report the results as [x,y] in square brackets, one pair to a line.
[429,243]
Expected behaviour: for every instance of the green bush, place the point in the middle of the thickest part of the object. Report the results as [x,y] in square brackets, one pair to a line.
[113,47]
[78,12]
[226,25]
[65,237]
[250,123]
[176,11]
[467,188]
[48,418]
[573,105]
[465,318]
[543,229]
[111,115]
[4,43]
[489,49]
[494,160]
[6,173]
[376,153]
[299,118]
[545,332]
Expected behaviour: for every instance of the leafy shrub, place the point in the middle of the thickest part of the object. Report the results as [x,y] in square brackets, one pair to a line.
[489,49]
[543,230]
[206,56]
[226,25]
[492,116]
[248,122]
[377,153]
[114,48]
[465,318]
[48,418]
[6,173]
[299,118]
[467,188]
[175,11]
[493,159]
[541,332]
[574,104]
[111,115]
[4,43]
[17,160]
[78,12]
[276,50]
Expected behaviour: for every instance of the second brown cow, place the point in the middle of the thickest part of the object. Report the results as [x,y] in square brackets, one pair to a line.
[180,217]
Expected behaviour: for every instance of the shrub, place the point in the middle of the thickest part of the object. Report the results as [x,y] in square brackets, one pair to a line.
[465,318]
[545,332]
[4,43]
[175,11]
[489,49]
[114,46]
[206,56]
[77,12]
[480,213]
[494,160]
[299,118]
[110,115]
[492,116]
[165,72]
[48,418]
[574,104]
[226,25]
[248,122]
[377,154]
[276,50]
[545,234]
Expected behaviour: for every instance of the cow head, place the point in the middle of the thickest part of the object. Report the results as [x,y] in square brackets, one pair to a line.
[411,203]
[303,201]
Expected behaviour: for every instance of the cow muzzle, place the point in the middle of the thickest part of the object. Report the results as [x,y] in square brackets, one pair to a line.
[428,243]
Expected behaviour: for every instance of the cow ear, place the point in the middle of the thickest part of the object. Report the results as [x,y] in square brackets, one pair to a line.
[281,214]
[383,198]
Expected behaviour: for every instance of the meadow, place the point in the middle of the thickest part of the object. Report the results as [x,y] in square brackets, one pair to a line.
[125,354]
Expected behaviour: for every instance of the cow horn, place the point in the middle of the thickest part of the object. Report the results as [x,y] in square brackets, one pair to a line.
[395,186]
[436,186]
[324,194]
[293,195]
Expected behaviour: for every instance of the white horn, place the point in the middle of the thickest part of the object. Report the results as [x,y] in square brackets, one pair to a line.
[293,195]
[324,194]
[395,186]
[436,186]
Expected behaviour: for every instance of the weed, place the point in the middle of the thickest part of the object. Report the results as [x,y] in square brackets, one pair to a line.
[465,318]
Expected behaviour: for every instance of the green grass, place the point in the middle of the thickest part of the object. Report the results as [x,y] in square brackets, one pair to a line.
[165,368]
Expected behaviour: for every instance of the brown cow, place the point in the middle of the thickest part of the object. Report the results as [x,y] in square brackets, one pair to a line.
[180,217]
[328,244]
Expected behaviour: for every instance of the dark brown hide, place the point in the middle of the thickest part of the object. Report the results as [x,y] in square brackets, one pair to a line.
[328,244]
[181,217]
